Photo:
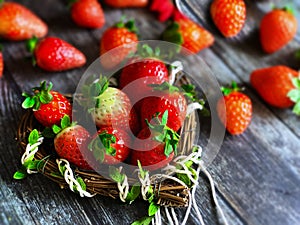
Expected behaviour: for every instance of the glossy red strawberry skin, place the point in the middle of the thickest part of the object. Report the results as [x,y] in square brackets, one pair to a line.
[229,16]
[87,13]
[277,28]
[149,152]
[235,111]
[195,37]
[55,54]
[273,84]
[18,23]
[161,101]
[1,64]
[126,3]
[123,142]
[70,143]
[52,113]
[114,37]
[143,72]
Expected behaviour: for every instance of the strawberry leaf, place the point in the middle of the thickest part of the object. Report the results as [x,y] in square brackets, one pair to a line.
[81,182]
[20,174]
[115,174]
[142,171]
[294,95]
[65,122]
[153,208]
[33,137]
[28,103]
[296,108]
[133,193]
[56,129]
[143,221]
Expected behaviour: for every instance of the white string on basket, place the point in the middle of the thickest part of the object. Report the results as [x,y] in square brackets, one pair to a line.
[123,187]
[145,184]
[192,107]
[70,179]
[30,151]
[176,67]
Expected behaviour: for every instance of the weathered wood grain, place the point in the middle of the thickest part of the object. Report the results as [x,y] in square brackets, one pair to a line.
[257,173]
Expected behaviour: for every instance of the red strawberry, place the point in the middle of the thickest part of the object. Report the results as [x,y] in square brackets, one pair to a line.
[273,84]
[277,28]
[110,145]
[122,35]
[49,107]
[1,62]
[110,106]
[229,16]
[155,146]
[55,54]
[164,97]
[19,23]
[126,3]
[71,143]
[188,34]
[164,9]
[87,13]
[235,110]
[140,72]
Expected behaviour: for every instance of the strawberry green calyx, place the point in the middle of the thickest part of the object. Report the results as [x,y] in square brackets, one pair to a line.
[164,134]
[1,46]
[172,34]
[129,25]
[102,145]
[41,95]
[294,95]
[227,90]
[95,90]
[147,52]
[289,9]
[1,2]
[64,123]
[165,86]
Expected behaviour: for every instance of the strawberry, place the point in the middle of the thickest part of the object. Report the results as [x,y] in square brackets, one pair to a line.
[235,110]
[71,142]
[110,106]
[49,107]
[277,28]
[126,3]
[18,23]
[87,13]
[164,97]
[141,72]
[163,9]
[54,54]
[110,145]
[273,84]
[229,16]
[155,146]
[122,35]
[186,33]
[1,62]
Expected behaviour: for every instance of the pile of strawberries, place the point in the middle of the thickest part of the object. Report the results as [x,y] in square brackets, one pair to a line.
[133,125]
[277,85]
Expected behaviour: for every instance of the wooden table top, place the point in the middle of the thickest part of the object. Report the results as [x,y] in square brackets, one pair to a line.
[257,174]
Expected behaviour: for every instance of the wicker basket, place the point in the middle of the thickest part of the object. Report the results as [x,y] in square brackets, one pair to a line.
[167,191]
